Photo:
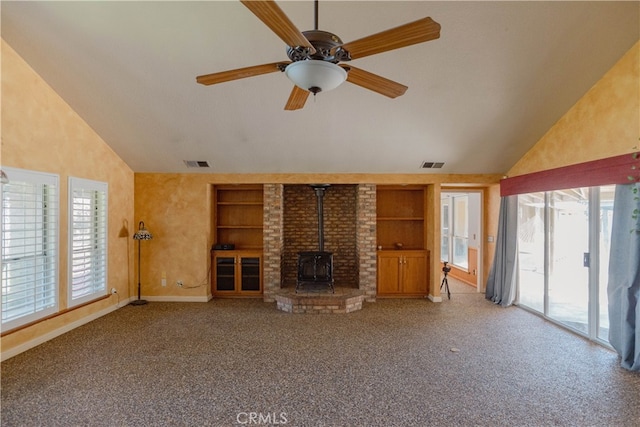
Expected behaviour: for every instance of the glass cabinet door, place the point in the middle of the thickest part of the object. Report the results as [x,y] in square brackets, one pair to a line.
[237,273]
[250,273]
[225,273]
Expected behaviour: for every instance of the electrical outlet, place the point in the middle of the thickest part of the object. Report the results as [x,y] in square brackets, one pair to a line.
[163,282]
[179,283]
[114,291]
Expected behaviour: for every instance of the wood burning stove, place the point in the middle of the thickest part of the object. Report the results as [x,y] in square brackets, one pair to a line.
[316,267]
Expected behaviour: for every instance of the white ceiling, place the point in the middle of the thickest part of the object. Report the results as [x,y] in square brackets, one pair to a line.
[479,97]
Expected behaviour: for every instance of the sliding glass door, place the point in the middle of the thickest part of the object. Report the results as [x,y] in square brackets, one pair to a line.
[531,244]
[568,247]
[563,239]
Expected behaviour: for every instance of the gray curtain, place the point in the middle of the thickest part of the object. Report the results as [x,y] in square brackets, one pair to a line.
[624,277]
[501,284]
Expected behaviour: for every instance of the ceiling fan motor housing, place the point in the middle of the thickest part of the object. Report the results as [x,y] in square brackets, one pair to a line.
[328,48]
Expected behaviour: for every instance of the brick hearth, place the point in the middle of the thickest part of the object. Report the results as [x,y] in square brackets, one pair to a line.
[344,300]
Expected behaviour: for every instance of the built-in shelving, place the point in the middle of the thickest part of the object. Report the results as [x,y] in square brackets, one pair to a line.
[239,215]
[400,214]
[238,220]
[403,261]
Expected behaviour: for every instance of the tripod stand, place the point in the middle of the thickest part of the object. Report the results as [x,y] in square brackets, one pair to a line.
[445,282]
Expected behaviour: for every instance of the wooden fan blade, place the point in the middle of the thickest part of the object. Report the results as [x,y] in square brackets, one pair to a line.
[419,31]
[375,82]
[240,73]
[274,18]
[297,99]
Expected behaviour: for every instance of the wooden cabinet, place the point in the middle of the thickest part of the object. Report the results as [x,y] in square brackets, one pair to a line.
[238,215]
[403,273]
[236,273]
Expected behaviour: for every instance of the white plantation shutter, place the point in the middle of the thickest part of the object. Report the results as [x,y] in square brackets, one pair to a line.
[87,240]
[29,247]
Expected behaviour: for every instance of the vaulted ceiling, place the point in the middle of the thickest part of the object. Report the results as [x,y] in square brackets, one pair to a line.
[480,96]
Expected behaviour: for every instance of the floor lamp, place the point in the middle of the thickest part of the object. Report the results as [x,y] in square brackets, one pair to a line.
[141,234]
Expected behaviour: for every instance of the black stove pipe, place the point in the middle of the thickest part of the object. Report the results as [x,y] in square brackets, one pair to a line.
[319,189]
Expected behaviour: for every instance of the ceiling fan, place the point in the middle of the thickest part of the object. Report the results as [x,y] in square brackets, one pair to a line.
[314,55]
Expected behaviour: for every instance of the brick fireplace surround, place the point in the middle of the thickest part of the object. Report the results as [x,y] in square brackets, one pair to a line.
[290,226]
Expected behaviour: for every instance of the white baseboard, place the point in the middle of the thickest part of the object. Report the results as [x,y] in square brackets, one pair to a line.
[62,330]
[176,298]
[434,299]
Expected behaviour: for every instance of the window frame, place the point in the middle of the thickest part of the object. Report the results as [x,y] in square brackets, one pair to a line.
[45,239]
[94,283]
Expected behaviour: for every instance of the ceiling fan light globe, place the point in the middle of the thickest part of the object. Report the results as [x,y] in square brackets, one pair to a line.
[316,75]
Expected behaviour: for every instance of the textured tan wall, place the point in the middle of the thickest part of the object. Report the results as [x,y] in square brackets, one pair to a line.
[41,132]
[604,123]
[176,208]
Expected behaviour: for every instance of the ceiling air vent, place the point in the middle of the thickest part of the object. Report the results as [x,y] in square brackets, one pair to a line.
[196,163]
[432,165]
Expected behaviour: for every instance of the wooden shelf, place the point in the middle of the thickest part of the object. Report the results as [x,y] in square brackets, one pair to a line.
[400,202]
[235,194]
[239,215]
[400,214]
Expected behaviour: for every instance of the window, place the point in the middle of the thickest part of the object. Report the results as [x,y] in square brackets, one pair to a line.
[87,240]
[460,231]
[444,233]
[29,247]
[455,229]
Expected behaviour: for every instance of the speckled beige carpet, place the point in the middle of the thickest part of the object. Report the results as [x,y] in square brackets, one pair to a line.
[242,362]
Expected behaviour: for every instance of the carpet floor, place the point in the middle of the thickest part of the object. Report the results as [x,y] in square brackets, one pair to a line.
[409,362]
